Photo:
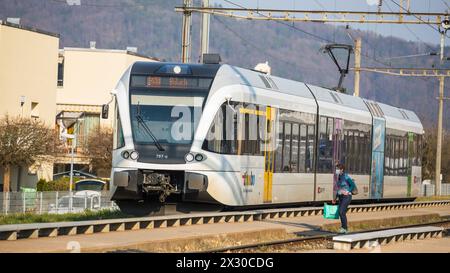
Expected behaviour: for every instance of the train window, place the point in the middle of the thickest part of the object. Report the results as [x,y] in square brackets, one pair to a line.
[295,142]
[387,155]
[252,119]
[295,148]
[279,148]
[357,147]
[287,148]
[392,161]
[396,155]
[222,135]
[419,149]
[302,149]
[325,147]
[414,149]
[310,148]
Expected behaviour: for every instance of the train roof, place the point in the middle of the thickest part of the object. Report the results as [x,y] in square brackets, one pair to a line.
[199,70]
[348,106]
[398,118]
[330,103]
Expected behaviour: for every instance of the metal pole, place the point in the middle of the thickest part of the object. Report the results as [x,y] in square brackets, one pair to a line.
[439,137]
[57,205]
[24,204]
[357,66]
[186,34]
[40,203]
[71,172]
[442,45]
[71,165]
[205,31]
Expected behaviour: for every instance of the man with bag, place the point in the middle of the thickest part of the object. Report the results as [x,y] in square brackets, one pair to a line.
[346,187]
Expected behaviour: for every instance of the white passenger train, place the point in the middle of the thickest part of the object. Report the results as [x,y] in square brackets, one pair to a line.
[220,134]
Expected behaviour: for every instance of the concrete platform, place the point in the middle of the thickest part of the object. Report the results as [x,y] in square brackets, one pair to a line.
[133,239]
[366,239]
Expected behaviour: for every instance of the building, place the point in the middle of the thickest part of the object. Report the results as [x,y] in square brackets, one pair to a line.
[28,77]
[86,77]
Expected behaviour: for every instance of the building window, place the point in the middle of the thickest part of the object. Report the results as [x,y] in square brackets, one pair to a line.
[61,71]
[35,110]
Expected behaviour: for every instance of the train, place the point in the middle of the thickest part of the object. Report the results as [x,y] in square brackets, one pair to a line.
[220,136]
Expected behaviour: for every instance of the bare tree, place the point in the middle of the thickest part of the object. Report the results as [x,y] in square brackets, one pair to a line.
[99,148]
[23,141]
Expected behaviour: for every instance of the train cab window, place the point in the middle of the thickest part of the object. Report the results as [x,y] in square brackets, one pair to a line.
[118,134]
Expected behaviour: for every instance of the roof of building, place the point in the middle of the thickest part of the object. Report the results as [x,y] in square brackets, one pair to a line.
[28,28]
[88,49]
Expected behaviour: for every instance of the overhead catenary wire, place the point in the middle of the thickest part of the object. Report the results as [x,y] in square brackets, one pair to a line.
[411,31]
[247,42]
[315,36]
[83,3]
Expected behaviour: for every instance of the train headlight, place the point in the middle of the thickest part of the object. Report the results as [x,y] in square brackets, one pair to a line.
[189,157]
[134,155]
[199,157]
[126,154]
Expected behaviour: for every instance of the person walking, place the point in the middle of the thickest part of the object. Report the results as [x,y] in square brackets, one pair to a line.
[345,187]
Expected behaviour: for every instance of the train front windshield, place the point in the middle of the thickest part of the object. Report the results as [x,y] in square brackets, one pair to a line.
[165,111]
[169,116]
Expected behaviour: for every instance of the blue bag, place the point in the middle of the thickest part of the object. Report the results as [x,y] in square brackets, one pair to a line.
[330,211]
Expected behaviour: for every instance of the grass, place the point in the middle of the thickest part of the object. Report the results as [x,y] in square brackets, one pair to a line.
[28,218]
[432,198]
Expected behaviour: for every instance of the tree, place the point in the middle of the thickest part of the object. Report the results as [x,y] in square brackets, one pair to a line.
[99,148]
[23,141]
[429,155]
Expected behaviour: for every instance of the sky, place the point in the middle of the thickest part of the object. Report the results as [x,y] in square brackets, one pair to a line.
[410,32]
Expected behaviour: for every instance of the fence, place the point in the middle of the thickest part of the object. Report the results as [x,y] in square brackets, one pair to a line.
[428,190]
[55,202]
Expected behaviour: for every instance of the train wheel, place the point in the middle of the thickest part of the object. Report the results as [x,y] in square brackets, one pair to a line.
[140,209]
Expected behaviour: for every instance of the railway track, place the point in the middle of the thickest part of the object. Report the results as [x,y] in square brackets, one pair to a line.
[323,241]
[37,230]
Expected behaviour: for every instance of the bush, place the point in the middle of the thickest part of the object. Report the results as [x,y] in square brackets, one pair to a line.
[61,184]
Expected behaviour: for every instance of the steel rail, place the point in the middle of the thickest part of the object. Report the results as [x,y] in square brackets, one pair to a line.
[312,238]
[36,230]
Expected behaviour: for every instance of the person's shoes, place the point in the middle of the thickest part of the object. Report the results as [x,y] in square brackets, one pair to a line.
[342,231]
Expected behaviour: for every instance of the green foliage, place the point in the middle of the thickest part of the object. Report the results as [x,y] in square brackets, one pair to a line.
[429,155]
[62,184]
[25,218]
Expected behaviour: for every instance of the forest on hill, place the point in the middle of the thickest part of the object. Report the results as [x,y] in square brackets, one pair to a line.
[292,52]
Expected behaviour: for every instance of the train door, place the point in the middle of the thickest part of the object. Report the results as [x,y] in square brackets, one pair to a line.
[414,169]
[250,129]
[338,139]
[270,140]
[377,175]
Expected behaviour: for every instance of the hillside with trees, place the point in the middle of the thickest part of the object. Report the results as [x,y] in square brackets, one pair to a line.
[155,29]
